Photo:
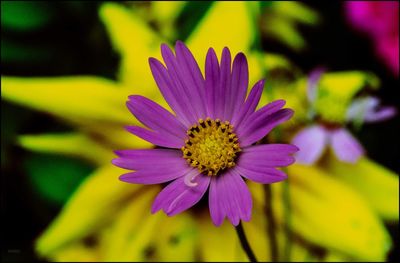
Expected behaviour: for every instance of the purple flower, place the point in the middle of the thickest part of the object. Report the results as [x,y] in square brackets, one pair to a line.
[379,20]
[313,140]
[209,143]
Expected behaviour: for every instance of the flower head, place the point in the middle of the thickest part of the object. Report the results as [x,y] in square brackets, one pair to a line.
[209,143]
[329,129]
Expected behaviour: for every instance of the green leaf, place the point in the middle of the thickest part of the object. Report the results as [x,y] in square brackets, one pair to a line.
[190,15]
[12,118]
[26,15]
[55,177]
[264,4]
[18,52]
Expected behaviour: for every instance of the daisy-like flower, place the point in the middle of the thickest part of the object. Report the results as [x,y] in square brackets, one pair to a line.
[209,143]
[314,139]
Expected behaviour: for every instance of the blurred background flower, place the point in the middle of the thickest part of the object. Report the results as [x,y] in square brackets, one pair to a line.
[71,67]
[379,21]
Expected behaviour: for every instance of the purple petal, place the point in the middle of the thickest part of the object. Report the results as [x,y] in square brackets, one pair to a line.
[268,109]
[224,84]
[155,117]
[156,138]
[211,82]
[230,197]
[311,142]
[250,104]
[368,109]
[190,68]
[312,84]
[262,126]
[239,84]
[149,158]
[185,97]
[178,196]
[267,155]
[155,175]
[345,146]
[384,113]
[359,106]
[168,91]
[263,175]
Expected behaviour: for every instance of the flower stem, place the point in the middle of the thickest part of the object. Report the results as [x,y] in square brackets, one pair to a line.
[288,219]
[271,223]
[245,244]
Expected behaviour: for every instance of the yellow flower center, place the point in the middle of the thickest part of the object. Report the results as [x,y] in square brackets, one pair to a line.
[211,147]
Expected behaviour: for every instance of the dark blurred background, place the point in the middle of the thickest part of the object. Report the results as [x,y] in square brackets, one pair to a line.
[67,38]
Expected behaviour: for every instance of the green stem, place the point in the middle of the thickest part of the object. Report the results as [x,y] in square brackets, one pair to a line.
[245,244]
[288,219]
[271,224]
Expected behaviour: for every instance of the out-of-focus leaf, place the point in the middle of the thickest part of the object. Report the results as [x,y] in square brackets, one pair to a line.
[168,10]
[256,232]
[77,252]
[328,213]
[54,177]
[94,205]
[212,237]
[296,11]
[17,52]
[226,24]
[12,118]
[191,14]
[136,42]
[26,15]
[165,14]
[284,31]
[279,21]
[127,226]
[375,183]
[176,238]
[265,4]
[69,97]
[73,144]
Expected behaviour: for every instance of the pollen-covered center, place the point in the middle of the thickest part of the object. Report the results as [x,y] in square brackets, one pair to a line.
[211,147]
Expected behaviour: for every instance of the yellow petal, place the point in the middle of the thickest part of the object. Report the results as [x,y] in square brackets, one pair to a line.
[226,24]
[330,214]
[333,256]
[166,10]
[176,238]
[139,242]
[74,144]
[211,238]
[280,20]
[378,185]
[69,98]
[255,230]
[114,136]
[92,206]
[296,11]
[127,226]
[284,31]
[164,14]
[76,252]
[256,233]
[136,42]
[336,90]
